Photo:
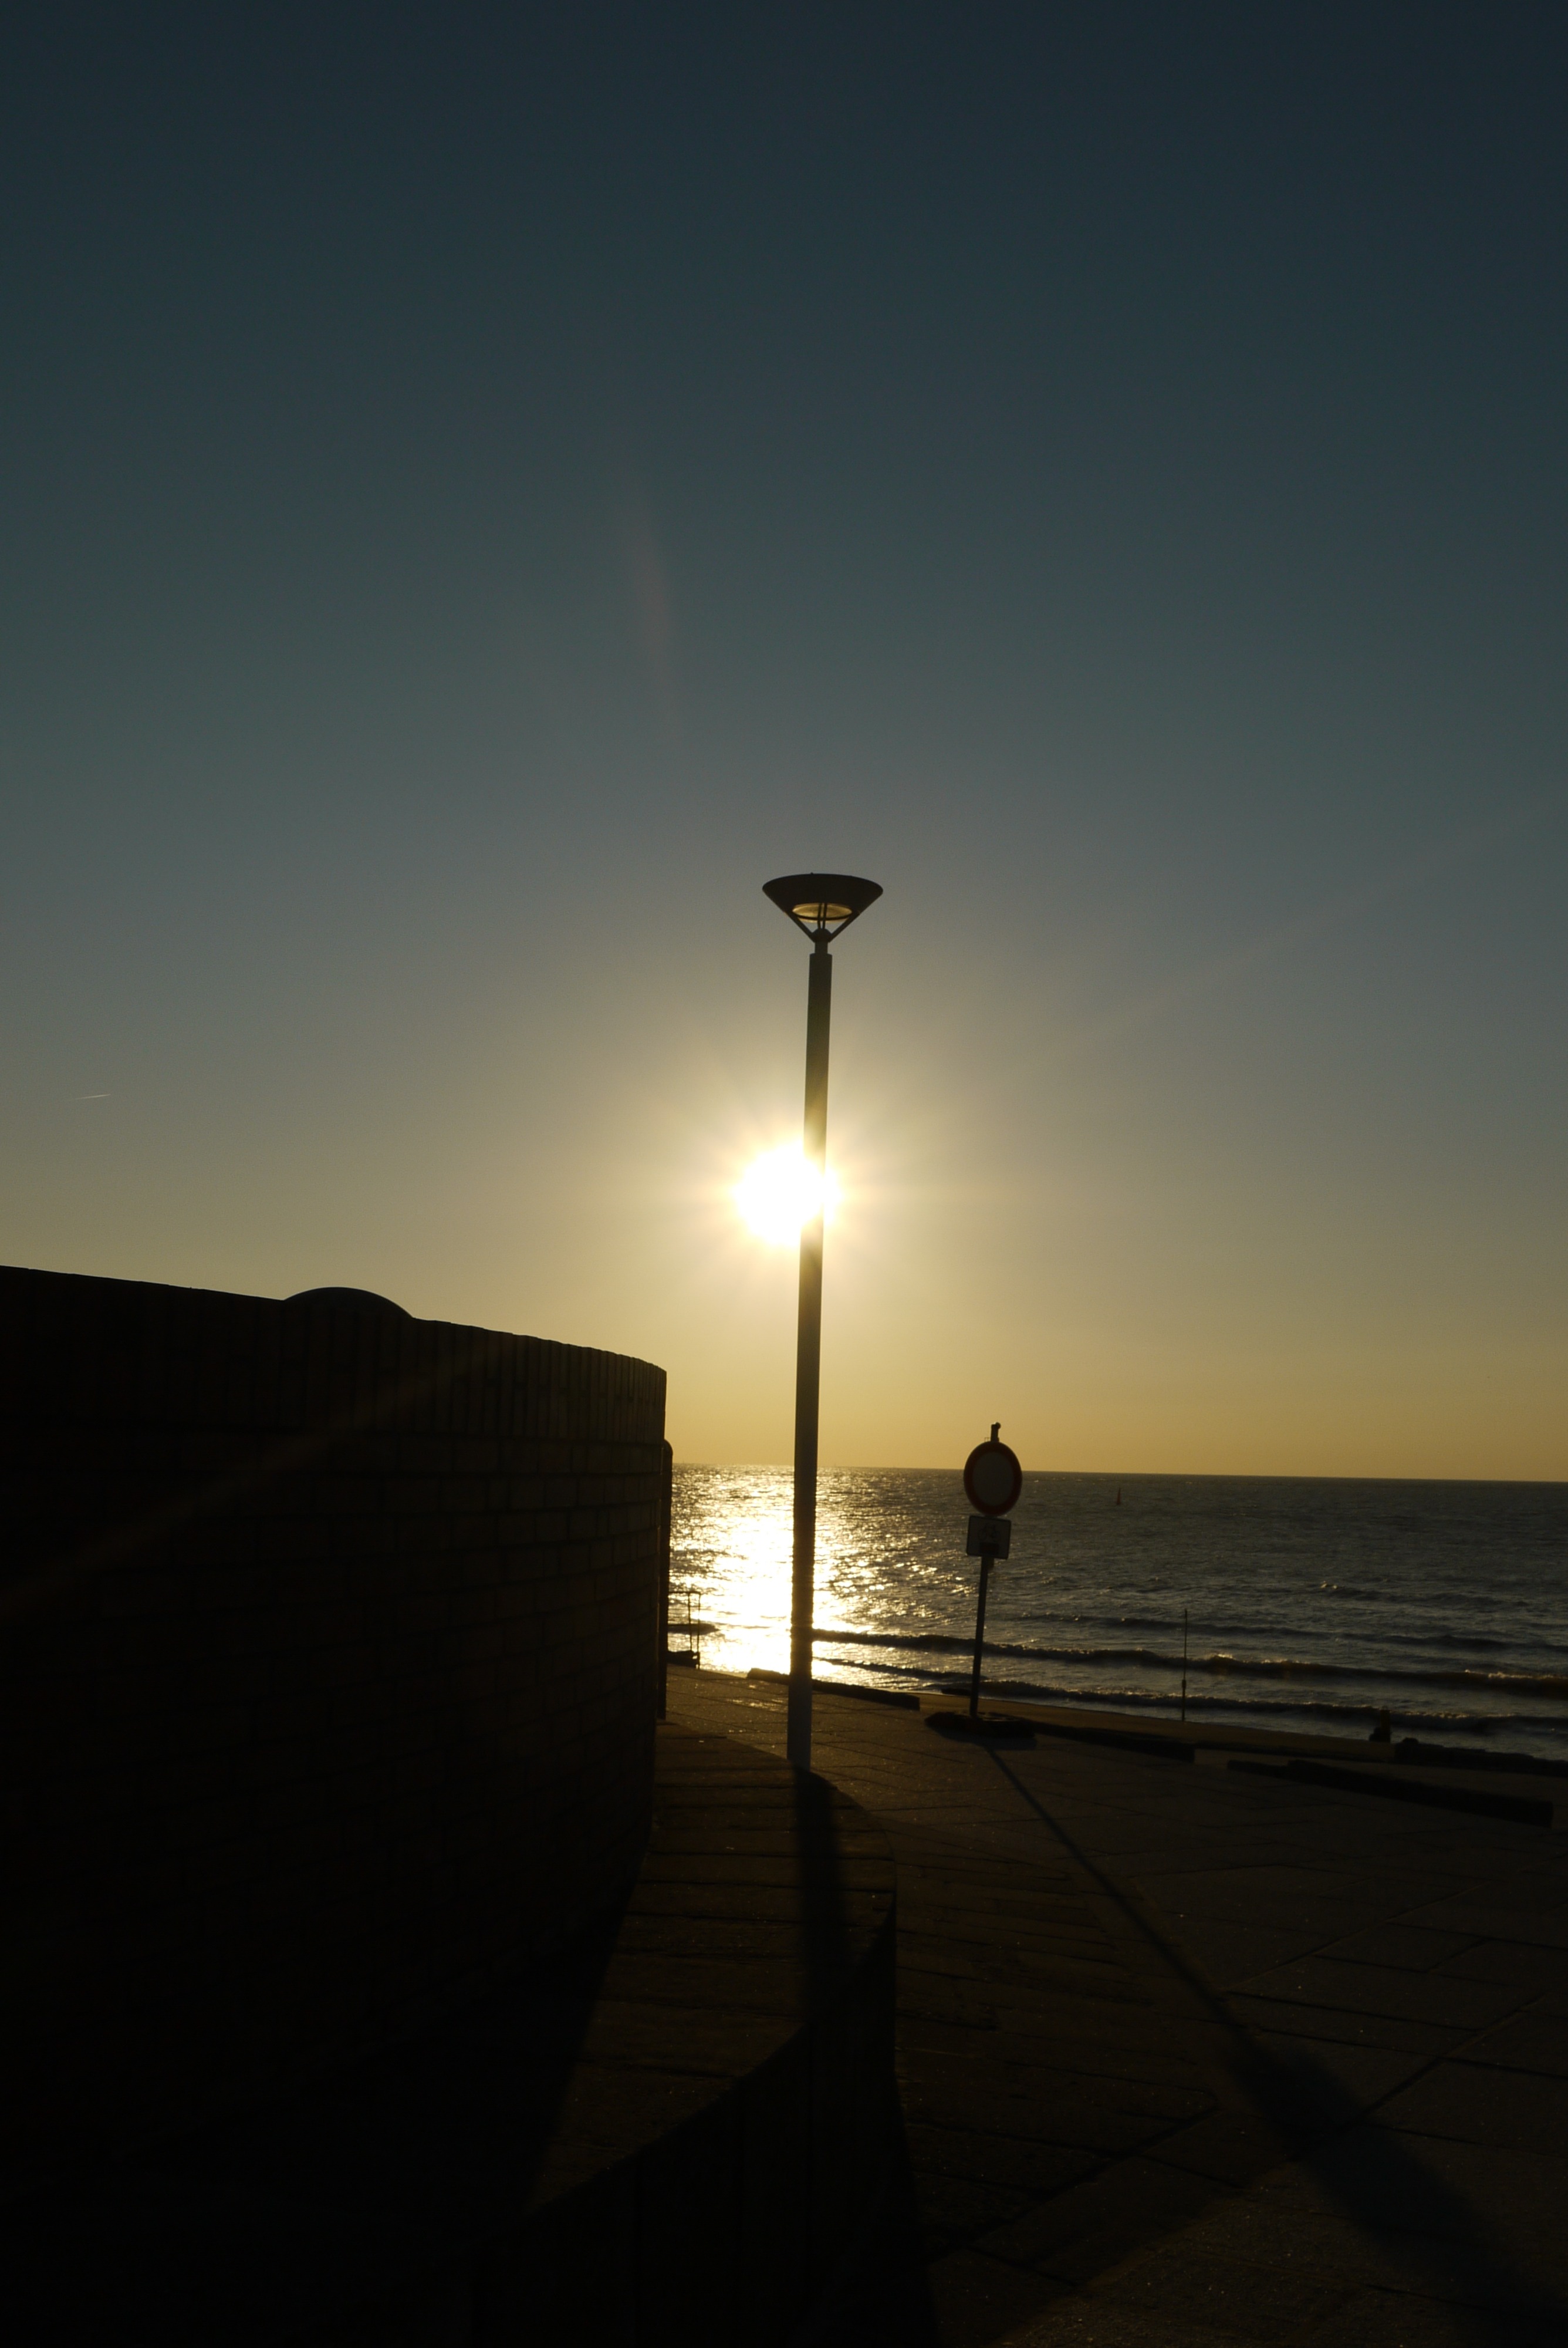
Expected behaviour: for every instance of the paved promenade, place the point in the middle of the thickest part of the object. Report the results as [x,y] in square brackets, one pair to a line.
[663,2134]
[1197,2059]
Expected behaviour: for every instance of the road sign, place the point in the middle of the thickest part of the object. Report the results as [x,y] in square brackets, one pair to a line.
[992,1478]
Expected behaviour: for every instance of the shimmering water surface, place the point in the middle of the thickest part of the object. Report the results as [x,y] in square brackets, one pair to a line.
[1311,1604]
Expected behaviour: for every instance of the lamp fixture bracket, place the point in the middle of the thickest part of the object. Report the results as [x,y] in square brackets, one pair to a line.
[822,904]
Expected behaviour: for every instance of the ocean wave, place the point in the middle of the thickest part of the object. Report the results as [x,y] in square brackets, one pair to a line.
[1315,1712]
[1552,1686]
[1319,1709]
[1312,1602]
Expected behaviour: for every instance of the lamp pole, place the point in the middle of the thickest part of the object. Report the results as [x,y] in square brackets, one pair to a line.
[808,1357]
[821,905]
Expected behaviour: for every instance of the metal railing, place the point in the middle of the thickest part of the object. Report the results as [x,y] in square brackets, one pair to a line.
[687,1626]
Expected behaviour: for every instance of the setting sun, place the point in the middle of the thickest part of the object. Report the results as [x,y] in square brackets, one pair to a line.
[779,1193]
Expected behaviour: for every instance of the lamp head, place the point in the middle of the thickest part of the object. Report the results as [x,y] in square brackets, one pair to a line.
[821,904]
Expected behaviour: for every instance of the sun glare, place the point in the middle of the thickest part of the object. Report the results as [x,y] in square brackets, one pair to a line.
[779,1194]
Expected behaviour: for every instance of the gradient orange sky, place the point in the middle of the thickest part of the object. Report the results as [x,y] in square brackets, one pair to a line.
[480,502]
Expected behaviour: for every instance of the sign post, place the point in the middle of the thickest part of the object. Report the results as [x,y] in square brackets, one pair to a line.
[993,1480]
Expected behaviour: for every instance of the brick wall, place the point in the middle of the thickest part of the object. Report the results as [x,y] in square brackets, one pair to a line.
[327,1683]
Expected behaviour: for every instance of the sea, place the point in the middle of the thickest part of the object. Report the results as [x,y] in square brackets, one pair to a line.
[1296,1602]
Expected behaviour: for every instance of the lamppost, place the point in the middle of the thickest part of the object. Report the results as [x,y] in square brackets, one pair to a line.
[821,905]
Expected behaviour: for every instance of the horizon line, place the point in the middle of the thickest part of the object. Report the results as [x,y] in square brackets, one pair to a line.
[1144,1475]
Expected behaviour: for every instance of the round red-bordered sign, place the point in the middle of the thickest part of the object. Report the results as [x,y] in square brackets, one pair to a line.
[993,1478]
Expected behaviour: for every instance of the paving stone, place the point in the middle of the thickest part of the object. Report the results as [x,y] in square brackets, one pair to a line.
[629,2036]
[1482,1920]
[1484,2106]
[1409,1945]
[739,1980]
[1233,2148]
[1104,1981]
[1516,1965]
[1338,2248]
[976,2099]
[1382,1990]
[1399,1949]
[982,1909]
[1091,2226]
[1338,2081]
[1256,2310]
[1157,2101]
[1039,2169]
[1231,1953]
[954,2209]
[1380,2319]
[712,1936]
[1184,2282]
[1398,2182]
[1085,2320]
[924,1952]
[1537,2042]
[1084,2061]
[936,2012]
[1343,2025]
[1316,1902]
[978,2299]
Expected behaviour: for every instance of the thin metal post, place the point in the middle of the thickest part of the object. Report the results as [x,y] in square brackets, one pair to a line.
[988,1558]
[808,1361]
[667,1482]
[1183,1663]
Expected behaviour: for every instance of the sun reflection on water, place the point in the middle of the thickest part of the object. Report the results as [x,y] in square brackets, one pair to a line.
[1312,1603]
[732,1543]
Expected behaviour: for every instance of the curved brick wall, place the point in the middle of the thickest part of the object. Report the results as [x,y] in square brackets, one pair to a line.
[327,1683]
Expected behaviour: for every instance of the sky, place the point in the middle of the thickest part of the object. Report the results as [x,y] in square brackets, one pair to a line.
[486,487]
